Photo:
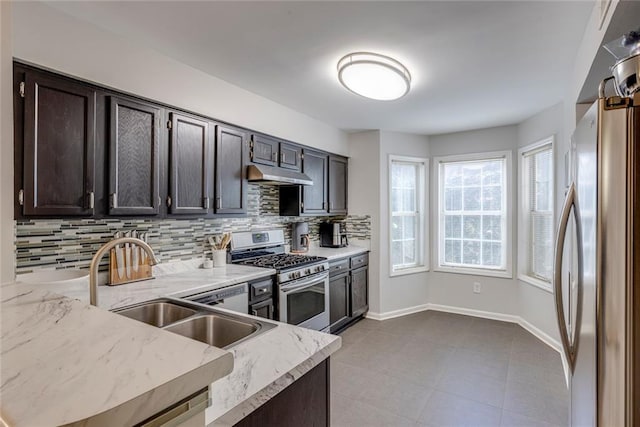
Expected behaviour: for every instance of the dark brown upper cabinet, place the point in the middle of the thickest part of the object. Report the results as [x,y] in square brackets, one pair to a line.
[338,171]
[231,183]
[190,165]
[314,197]
[264,150]
[290,156]
[134,157]
[269,151]
[59,146]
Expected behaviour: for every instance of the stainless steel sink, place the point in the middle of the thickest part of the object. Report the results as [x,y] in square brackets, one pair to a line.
[214,329]
[197,321]
[157,313]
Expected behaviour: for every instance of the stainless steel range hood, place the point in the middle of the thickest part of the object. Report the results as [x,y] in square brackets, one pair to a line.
[278,176]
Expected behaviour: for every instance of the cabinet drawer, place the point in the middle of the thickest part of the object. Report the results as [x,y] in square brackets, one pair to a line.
[339,267]
[261,289]
[359,261]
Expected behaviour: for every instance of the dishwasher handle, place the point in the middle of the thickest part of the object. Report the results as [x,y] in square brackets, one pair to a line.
[219,295]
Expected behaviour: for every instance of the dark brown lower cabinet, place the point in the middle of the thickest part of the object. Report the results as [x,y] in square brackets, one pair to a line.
[348,291]
[264,309]
[359,288]
[305,403]
[339,304]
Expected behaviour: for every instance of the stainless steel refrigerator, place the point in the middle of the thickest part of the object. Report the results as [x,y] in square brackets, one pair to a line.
[597,266]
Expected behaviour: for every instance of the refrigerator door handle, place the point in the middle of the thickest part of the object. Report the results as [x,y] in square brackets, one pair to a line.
[570,349]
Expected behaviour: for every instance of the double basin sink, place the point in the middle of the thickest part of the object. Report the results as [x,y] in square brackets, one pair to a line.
[196,321]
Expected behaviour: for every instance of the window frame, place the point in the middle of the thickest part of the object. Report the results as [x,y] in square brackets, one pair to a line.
[524,223]
[423,220]
[438,242]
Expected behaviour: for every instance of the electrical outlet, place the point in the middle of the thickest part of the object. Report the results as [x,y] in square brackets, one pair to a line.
[476,287]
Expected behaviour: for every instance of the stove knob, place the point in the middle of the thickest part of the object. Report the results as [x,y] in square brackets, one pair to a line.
[307,271]
[291,276]
[299,273]
[318,269]
[321,267]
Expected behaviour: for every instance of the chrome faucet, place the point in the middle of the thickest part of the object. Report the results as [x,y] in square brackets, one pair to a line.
[93,268]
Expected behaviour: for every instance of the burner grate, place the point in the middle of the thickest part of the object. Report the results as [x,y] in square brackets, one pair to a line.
[281,261]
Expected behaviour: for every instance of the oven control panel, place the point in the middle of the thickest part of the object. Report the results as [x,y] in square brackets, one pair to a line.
[301,272]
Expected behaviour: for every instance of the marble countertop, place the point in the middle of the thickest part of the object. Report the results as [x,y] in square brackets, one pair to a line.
[172,279]
[264,366]
[64,361]
[336,253]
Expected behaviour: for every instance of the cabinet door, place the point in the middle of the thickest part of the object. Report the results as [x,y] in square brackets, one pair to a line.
[190,163]
[59,144]
[290,156]
[314,197]
[359,291]
[337,185]
[134,157]
[231,185]
[264,150]
[263,309]
[338,301]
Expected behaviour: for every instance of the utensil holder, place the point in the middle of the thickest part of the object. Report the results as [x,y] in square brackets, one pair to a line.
[219,257]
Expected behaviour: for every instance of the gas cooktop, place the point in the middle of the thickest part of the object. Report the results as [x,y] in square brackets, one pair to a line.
[282,261]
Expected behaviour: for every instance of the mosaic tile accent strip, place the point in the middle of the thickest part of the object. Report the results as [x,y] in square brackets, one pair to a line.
[70,243]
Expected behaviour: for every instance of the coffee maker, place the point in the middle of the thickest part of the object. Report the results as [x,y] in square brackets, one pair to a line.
[333,235]
[299,237]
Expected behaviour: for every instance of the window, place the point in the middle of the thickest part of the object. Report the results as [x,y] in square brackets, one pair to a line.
[407,216]
[536,214]
[473,214]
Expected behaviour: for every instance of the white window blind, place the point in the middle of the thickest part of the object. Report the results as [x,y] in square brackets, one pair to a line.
[407,186]
[538,194]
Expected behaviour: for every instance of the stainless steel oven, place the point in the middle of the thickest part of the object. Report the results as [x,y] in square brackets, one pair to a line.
[302,280]
[305,302]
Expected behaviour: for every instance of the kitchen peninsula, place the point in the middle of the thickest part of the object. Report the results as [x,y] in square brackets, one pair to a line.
[58,349]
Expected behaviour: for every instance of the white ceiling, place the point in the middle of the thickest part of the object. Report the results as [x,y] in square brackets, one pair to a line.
[474,64]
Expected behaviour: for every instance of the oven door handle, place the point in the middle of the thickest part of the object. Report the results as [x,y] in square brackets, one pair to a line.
[303,283]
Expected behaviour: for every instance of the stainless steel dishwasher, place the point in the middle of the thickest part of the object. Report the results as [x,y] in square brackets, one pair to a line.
[235,297]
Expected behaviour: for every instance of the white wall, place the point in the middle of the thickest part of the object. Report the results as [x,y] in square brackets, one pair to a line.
[7,256]
[364,190]
[47,37]
[537,305]
[498,295]
[368,194]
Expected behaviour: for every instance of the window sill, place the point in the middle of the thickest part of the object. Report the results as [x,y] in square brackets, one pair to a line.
[545,286]
[475,271]
[405,271]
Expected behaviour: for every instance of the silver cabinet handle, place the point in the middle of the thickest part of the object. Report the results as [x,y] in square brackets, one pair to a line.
[114,200]
[205,203]
[177,415]
[570,349]
[274,157]
[282,157]
[91,196]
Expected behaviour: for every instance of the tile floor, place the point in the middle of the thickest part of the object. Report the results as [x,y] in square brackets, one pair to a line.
[438,369]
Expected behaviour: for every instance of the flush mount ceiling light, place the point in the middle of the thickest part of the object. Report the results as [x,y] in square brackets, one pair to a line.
[374,76]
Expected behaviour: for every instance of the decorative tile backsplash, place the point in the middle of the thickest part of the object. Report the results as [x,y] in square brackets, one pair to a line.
[71,243]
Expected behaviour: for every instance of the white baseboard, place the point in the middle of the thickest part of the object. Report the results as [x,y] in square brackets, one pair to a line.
[397,313]
[538,333]
[475,313]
